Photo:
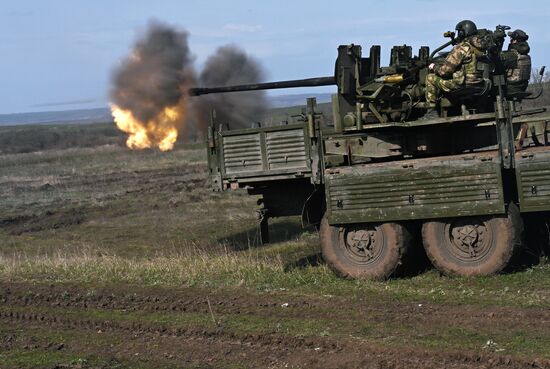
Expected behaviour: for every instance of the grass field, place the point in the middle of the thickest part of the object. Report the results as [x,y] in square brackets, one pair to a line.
[112,258]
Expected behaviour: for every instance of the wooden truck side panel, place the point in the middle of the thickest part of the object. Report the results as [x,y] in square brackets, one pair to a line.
[261,155]
[462,185]
[533,179]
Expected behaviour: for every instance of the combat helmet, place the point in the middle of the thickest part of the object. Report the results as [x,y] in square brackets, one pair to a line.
[518,35]
[465,29]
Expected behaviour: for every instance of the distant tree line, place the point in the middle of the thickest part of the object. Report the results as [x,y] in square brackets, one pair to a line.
[30,138]
[534,88]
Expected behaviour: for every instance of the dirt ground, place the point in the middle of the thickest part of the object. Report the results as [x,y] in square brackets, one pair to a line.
[27,310]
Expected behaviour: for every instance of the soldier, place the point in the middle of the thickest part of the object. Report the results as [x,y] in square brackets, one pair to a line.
[460,67]
[517,62]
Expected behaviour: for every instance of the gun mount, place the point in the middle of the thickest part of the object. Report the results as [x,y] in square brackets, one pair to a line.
[369,93]
[360,81]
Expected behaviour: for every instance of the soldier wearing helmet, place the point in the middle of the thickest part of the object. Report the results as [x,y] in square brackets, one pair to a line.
[460,67]
[517,62]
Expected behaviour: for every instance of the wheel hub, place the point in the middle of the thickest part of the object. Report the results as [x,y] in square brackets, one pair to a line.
[362,241]
[469,240]
[362,244]
[467,236]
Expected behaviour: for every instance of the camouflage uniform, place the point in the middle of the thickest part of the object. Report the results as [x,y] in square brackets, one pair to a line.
[459,69]
[518,66]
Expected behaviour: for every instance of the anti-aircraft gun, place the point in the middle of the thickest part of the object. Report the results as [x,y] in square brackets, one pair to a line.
[379,173]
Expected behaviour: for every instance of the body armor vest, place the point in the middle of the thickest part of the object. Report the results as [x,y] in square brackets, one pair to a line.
[522,70]
[471,73]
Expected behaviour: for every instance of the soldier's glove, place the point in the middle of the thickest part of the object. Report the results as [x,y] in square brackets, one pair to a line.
[431,66]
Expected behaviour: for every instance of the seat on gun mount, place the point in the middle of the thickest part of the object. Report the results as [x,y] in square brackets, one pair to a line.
[481,89]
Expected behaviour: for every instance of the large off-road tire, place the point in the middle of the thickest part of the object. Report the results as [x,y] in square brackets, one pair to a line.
[373,251]
[473,246]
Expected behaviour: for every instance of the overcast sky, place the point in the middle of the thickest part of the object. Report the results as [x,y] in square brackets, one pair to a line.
[59,54]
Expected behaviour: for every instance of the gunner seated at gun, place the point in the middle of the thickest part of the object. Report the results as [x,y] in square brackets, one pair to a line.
[459,69]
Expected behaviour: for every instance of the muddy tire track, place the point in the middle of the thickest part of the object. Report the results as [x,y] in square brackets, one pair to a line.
[133,298]
[260,349]
[23,305]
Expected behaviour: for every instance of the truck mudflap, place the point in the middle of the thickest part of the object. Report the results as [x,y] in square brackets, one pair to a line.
[462,185]
[533,179]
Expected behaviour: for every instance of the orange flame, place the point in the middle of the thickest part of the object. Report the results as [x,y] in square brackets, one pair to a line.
[161,131]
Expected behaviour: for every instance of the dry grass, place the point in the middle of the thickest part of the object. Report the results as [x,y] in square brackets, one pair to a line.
[193,267]
[275,268]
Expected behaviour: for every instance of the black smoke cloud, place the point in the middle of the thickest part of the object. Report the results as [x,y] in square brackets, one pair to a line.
[156,74]
[230,65]
[159,71]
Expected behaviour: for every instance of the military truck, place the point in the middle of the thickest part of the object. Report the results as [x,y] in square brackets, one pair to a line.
[377,179]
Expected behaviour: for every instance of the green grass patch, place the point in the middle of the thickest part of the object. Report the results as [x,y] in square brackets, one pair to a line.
[267,271]
[370,327]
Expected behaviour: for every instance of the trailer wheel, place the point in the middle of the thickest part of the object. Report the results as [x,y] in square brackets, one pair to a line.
[373,251]
[473,246]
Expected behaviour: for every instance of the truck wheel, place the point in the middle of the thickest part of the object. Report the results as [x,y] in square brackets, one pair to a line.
[473,246]
[372,251]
